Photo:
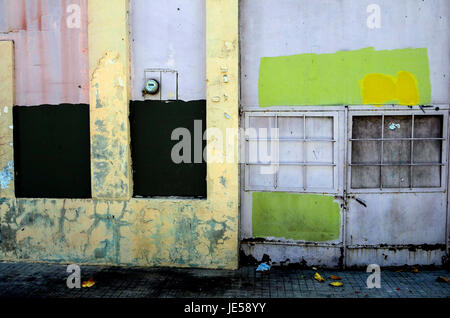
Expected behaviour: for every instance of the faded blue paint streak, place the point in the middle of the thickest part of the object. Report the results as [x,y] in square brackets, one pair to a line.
[6,175]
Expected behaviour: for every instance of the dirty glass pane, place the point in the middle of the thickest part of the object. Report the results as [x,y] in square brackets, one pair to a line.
[395,176]
[397,127]
[261,175]
[319,127]
[262,151]
[319,152]
[260,122]
[395,152]
[426,176]
[428,126]
[427,151]
[319,177]
[366,151]
[290,127]
[290,176]
[366,127]
[364,177]
[291,151]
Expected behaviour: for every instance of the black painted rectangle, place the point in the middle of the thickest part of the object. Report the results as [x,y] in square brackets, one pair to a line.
[154,172]
[52,151]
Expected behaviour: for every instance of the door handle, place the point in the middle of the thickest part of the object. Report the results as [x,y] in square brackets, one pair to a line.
[360,201]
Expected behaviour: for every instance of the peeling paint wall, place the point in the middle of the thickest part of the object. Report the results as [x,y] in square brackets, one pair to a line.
[135,232]
[6,118]
[51,53]
[113,228]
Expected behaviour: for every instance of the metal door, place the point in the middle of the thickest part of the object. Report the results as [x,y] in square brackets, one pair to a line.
[309,162]
[396,185]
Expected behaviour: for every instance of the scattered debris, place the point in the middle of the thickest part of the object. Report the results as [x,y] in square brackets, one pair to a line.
[336,284]
[443,279]
[319,278]
[398,289]
[263,267]
[88,283]
[265,264]
[314,268]
[335,277]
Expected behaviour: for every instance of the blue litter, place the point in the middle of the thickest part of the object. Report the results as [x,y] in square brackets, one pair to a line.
[263,267]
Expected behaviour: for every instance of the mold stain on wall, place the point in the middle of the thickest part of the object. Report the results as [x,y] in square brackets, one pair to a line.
[115,232]
[113,228]
[109,150]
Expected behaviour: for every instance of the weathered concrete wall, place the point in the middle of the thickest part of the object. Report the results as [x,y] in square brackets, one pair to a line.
[114,228]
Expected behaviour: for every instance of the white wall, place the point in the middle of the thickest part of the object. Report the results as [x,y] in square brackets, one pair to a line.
[285,27]
[169,34]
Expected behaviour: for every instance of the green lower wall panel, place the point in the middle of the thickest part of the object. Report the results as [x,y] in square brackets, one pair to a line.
[306,217]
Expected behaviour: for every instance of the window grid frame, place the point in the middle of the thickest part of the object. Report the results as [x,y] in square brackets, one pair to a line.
[411,139]
[304,163]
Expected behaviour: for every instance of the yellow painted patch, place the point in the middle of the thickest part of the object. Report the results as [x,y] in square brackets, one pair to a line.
[406,92]
[380,88]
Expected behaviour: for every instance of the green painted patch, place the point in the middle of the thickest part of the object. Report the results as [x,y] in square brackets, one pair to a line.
[307,217]
[335,79]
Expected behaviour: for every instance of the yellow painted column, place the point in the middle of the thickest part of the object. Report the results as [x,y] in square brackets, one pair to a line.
[109,69]
[222,91]
[6,119]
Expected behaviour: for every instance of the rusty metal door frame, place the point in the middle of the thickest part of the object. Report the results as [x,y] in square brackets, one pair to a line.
[445,174]
[339,119]
[447,223]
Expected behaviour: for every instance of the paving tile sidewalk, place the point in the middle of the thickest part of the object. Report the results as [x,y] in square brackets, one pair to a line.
[39,280]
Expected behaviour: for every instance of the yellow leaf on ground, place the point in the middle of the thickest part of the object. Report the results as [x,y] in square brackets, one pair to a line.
[88,283]
[319,278]
[415,270]
[443,279]
[336,284]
